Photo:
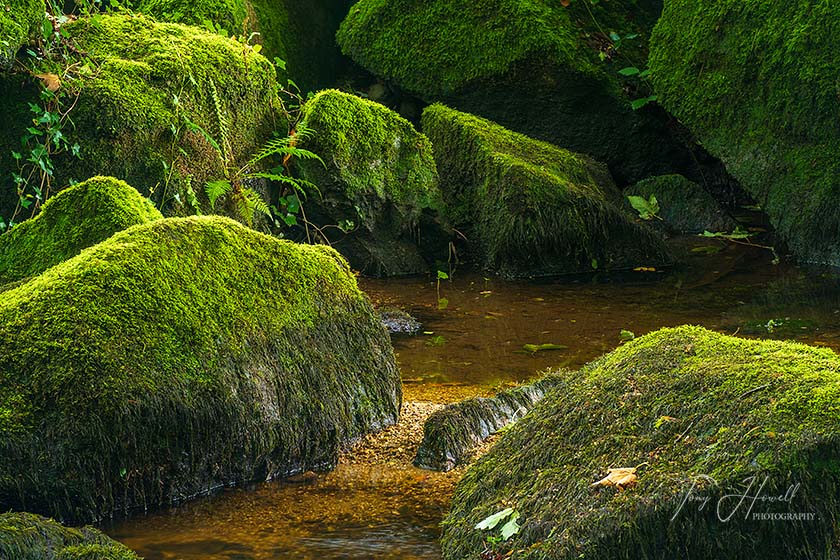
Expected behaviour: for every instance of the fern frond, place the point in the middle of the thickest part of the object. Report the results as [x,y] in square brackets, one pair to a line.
[223,122]
[198,129]
[256,201]
[216,189]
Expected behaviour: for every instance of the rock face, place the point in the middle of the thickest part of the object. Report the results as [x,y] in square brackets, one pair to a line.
[126,113]
[684,205]
[379,174]
[300,32]
[450,434]
[530,208]
[698,414]
[180,356]
[17,24]
[74,219]
[533,66]
[25,536]
[756,83]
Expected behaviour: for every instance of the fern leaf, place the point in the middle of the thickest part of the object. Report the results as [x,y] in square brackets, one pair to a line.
[198,129]
[216,189]
[224,124]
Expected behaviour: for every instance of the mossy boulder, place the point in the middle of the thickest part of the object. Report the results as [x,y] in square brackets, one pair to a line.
[378,173]
[685,206]
[530,208]
[126,119]
[299,32]
[18,23]
[533,66]
[705,419]
[26,536]
[74,219]
[181,356]
[452,433]
[756,82]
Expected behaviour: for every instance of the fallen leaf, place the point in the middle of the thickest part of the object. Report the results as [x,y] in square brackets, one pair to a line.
[620,478]
[51,81]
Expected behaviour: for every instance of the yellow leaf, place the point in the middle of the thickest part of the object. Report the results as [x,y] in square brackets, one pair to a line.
[257,48]
[620,478]
[51,81]
[644,269]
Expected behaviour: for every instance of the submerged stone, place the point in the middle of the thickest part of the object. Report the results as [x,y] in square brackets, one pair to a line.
[76,218]
[529,208]
[137,83]
[697,418]
[180,356]
[684,205]
[544,68]
[450,434]
[26,536]
[378,175]
[756,83]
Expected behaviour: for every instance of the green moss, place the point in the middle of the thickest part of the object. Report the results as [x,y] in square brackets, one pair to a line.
[179,356]
[532,208]
[380,174]
[227,14]
[125,111]
[451,434]
[681,404]
[17,25]
[684,205]
[756,83]
[76,218]
[25,536]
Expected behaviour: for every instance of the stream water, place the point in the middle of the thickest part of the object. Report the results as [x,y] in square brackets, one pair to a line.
[475,332]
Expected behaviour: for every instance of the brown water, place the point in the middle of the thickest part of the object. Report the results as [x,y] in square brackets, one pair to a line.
[473,341]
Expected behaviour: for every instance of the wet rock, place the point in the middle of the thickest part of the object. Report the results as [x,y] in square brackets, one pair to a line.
[397,321]
[450,434]
[72,220]
[380,181]
[698,415]
[25,536]
[179,356]
[756,84]
[532,209]
[684,205]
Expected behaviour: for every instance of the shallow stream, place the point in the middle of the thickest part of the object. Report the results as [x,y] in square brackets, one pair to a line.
[480,334]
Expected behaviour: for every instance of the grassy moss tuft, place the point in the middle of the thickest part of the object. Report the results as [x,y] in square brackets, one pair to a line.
[179,356]
[756,82]
[530,207]
[380,174]
[25,536]
[687,406]
[17,25]
[76,218]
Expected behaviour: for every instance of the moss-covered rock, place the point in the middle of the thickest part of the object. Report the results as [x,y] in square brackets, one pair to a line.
[530,208]
[78,217]
[379,174]
[17,23]
[531,65]
[451,433]
[756,82]
[684,205]
[698,414]
[179,356]
[125,114]
[299,32]
[25,536]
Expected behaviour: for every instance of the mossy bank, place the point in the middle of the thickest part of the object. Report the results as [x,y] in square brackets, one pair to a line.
[756,83]
[72,220]
[378,174]
[180,356]
[699,414]
[17,25]
[25,536]
[530,208]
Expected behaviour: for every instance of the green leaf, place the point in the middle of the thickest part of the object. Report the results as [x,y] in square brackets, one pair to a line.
[629,71]
[534,348]
[626,336]
[216,189]
[510,528]
[492,521]
[441,275]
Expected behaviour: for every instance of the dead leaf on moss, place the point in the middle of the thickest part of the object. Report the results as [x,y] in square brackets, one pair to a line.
[622,478]
[51,81]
